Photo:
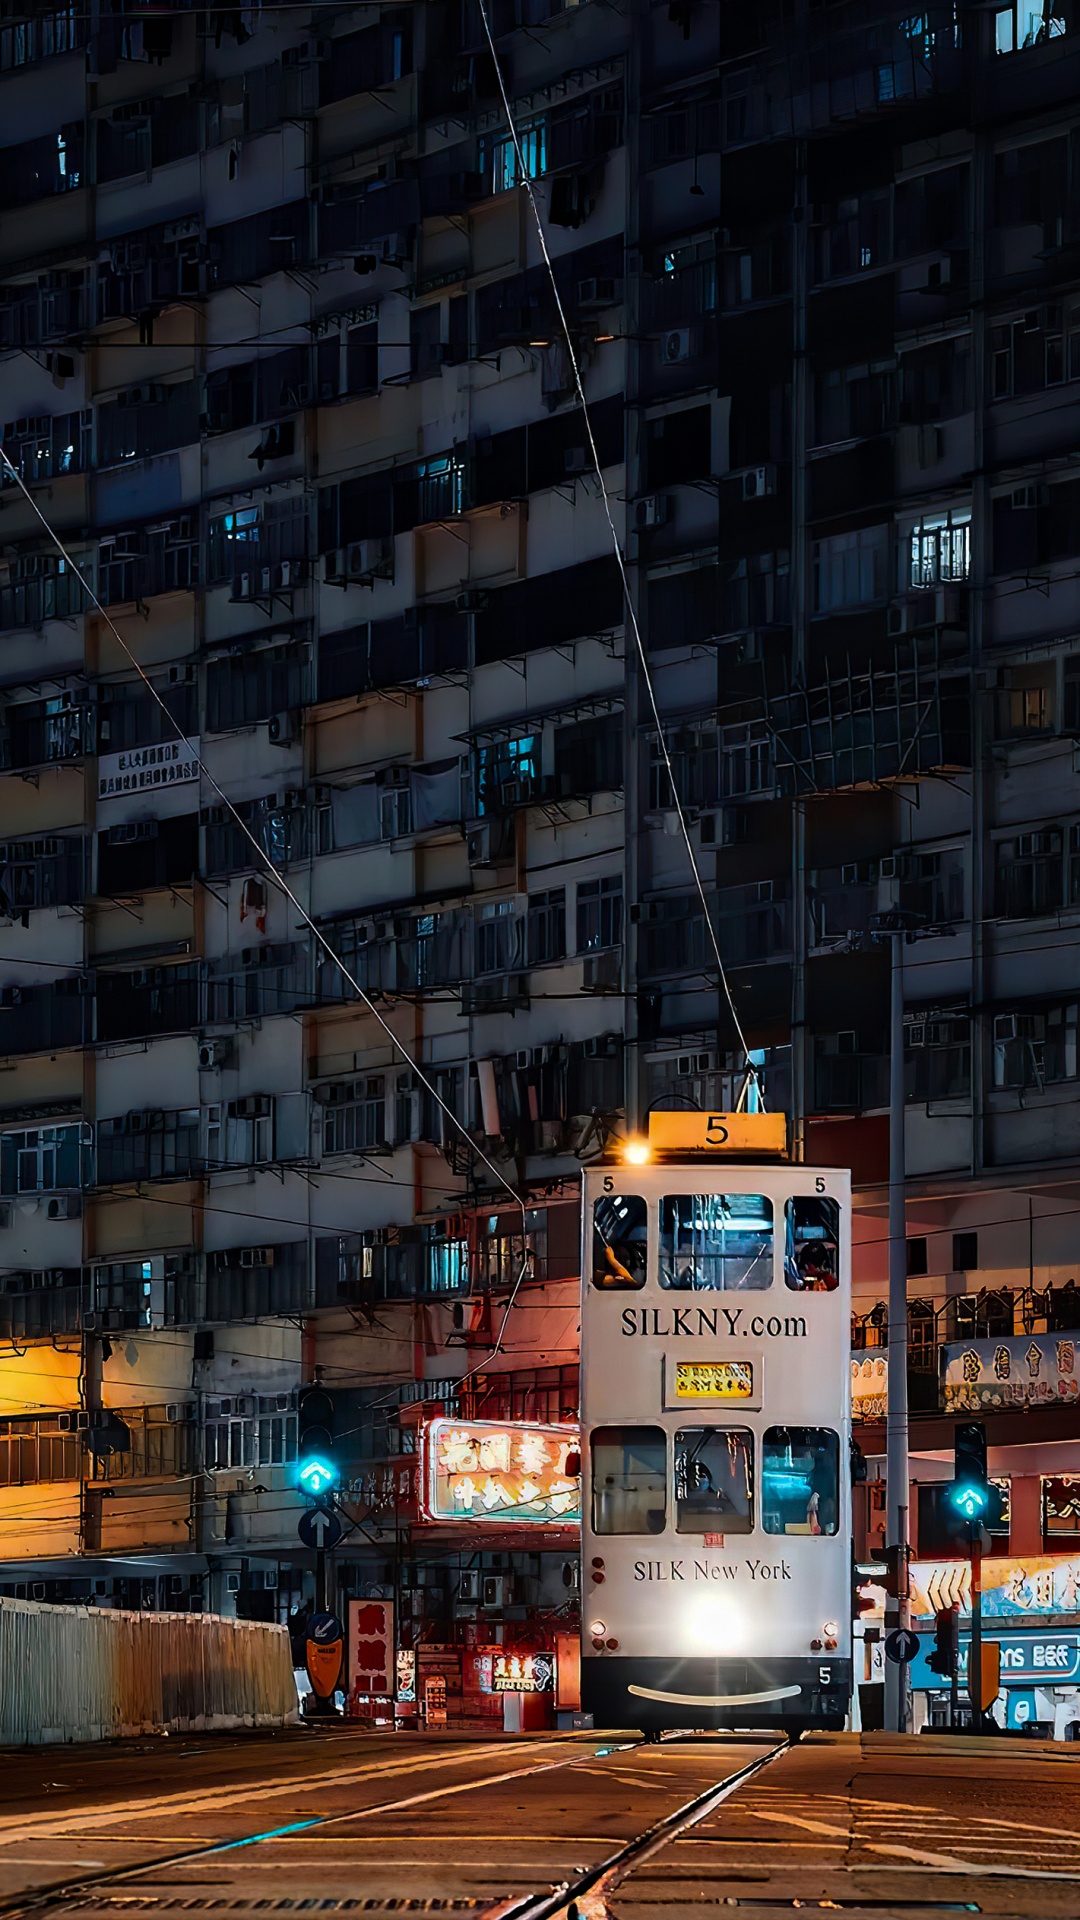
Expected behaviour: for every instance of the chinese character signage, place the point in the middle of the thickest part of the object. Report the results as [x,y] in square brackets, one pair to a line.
[1019,1370]
[405,1670]
[522,1673]
[371,1647]
[869,1385]
[714,1379]
[503,1474]
[146,769]
[1046,1583]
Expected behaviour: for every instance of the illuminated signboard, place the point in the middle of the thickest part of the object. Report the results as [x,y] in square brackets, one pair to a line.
[522,1672]
[714,1380]
[501,1473]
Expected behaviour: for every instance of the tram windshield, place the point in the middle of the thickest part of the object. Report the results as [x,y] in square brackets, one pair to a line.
[620,1240]
[811,1244]
[629,1479]
[800,1480]
[716,1241]
[714,1477]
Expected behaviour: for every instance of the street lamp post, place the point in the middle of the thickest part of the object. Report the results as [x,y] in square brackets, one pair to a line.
[896,1425]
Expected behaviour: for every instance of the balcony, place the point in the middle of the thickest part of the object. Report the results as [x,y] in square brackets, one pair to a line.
[995,1376]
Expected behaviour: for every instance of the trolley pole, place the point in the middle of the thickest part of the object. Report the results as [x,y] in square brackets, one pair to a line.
[896,1429]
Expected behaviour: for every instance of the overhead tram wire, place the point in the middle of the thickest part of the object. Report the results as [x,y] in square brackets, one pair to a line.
[526,182]
[283,886]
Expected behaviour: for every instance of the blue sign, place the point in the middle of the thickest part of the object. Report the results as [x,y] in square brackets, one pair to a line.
[1021,1709]
[318,1527]
[901,1645]
[1040,1659]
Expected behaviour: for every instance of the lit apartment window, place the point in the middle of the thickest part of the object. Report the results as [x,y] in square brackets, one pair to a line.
[499,158]
[941,549]
[43,1159]
[1025,23]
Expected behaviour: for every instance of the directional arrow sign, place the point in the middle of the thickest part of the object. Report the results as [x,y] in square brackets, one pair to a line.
[901,1645]
[319,1528]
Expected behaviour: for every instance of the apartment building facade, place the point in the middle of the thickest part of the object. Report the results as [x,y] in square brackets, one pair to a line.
[284,372]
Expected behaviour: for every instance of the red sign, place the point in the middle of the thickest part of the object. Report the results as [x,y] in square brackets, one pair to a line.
[371,1647]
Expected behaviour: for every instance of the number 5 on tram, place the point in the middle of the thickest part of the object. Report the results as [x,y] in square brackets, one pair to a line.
[716,1529]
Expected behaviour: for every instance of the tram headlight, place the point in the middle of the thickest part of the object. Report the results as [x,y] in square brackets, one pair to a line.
[598,1629]
[718,1622]
[637,1153]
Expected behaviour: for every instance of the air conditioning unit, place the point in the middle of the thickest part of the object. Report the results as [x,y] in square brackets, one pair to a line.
[602,972]
[287,575]
[282,729]
[1005,1026]
[244,587]
[898,619]
[486,844]
[182,676]
[177,1411]
[361,561]
[472,600]
[63,1206]
[677,345]
[653,511]
[939,272]
[757,482]
[213,1053]
[232,1583]
[253,1106]
[77,1420]
[393,777]
[256,1257]
[602,291]
[949,608]
[468,1586]
[495,1591]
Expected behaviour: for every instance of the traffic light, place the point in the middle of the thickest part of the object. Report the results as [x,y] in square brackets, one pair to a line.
[946,1654]
[971,1494]
[317,1469]
[895,1581]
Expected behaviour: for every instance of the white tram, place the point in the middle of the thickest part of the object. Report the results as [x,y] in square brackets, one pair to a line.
[716,1528]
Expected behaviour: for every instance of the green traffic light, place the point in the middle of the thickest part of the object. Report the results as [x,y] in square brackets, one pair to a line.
[969,1500]
[317,1475]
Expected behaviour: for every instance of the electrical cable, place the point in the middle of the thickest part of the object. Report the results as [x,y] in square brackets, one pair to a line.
[276,879]
[525,180]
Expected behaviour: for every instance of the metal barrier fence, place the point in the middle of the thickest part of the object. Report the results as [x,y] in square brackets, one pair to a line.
[73,1673]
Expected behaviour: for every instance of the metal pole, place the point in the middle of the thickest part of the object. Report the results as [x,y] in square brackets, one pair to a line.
[896,1426]
[974,1672]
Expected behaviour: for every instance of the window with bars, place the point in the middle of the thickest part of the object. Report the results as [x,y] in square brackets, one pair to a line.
[149,1146]
[354,1115]
[163,1446]
[254,1431]
[1029,873]
[938,1056]
[33,1451]
[498,937]
[499,156]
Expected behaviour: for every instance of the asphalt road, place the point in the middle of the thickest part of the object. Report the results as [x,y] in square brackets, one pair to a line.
[338,1820]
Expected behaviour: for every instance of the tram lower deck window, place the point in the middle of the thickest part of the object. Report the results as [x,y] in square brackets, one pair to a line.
[629,1480]
[800,1480]
[714,1479]
[716,1241]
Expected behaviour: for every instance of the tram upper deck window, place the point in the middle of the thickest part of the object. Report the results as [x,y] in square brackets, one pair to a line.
[800,1480]
[812,1244]
[629,1480]
[714,1478]
[620,1240]
[716,1241]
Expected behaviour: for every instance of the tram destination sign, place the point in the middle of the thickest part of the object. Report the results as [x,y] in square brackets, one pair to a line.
[713,1380]
[748,1133]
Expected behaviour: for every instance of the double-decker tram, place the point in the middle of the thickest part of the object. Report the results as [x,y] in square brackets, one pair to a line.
[716,1529]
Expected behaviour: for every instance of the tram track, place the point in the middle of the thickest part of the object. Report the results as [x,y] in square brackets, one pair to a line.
[585,1898]
[76,1891]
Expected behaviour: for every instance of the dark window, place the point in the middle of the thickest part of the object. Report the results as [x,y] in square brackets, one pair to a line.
[620,1240]
[143,854]
[599,913]
[546,927]
[362,358]
[800,1480]
[916,1256]
[1030,874]
[965,1252]
[678,447]
[588,756]
[812,1244]
[243,689]
[549,610]
[714,1480]
[684,608]
[146,420]
[716,1241]
[629,1479]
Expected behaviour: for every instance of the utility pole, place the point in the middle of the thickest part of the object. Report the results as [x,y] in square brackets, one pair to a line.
[897,1715]
[974,1670]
